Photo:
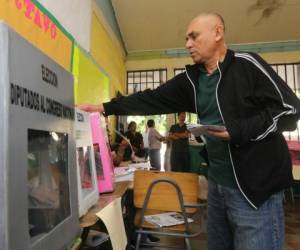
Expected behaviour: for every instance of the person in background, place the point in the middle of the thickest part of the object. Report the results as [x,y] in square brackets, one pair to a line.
[118,151]
[146,141]
[136,141]
[155,139]
[249,162]
[179,136]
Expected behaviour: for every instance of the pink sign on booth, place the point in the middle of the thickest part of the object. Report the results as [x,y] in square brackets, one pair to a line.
[103,160]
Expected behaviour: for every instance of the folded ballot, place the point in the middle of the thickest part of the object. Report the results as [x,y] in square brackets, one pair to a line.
[200,129]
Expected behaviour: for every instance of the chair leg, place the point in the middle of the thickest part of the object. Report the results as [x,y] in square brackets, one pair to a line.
[187,244]
[138,241]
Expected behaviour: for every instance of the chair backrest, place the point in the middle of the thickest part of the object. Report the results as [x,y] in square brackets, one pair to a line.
[164,196]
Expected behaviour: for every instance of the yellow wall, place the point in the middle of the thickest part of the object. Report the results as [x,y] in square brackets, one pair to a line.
[91,84]
[108,55]
[107,52]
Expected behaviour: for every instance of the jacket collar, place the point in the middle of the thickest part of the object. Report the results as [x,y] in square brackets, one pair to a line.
[227,60]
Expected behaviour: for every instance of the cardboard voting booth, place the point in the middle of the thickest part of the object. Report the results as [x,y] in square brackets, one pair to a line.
[38,185]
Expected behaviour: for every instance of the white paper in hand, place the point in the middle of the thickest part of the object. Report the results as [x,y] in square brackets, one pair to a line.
[200,129]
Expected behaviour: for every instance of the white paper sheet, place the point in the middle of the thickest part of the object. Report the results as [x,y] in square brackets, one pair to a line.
[112,217]
[200,129]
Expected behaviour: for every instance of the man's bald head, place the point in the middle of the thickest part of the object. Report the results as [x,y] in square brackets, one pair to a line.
[205,38]
[211,18]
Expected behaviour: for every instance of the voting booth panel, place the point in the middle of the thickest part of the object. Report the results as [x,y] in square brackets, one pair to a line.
[38,185]
[86,170]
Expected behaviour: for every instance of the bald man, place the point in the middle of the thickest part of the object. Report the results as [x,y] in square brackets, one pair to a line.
[250,164]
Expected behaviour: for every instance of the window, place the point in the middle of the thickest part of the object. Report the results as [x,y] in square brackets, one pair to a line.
[139,81]
[178,71]
[145,79]
[290,73]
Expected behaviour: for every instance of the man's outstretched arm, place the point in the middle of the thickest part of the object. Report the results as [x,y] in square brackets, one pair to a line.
[91,107]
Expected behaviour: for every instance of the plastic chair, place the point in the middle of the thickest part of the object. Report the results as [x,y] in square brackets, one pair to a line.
[158,192]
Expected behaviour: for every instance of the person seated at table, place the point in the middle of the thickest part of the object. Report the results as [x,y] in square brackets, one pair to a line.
[136,140]
[118,151]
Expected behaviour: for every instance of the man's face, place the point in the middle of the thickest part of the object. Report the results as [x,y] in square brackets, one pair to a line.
[133,127]
[201,39]
[181,117]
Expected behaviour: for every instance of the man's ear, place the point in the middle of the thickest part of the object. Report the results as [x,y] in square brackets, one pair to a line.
[219,33]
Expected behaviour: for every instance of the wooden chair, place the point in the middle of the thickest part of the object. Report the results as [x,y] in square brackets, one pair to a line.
[158,192]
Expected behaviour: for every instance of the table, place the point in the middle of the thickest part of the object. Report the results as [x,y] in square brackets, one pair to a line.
[126,172]
[109,210]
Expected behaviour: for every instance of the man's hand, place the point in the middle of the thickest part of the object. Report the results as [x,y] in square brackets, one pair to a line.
[91,107]
[223,135]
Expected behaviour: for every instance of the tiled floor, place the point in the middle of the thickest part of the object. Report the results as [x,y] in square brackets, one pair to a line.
[292,228]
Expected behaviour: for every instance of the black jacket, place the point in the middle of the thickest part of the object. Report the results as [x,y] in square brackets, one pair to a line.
[256,105]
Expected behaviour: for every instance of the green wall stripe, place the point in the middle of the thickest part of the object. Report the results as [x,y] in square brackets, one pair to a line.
[53,19]
[176,53]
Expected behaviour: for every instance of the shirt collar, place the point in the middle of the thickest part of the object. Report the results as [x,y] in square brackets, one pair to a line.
[203,70]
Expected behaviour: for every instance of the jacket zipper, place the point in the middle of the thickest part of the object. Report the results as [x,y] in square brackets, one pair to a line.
[230,156]
[194,88]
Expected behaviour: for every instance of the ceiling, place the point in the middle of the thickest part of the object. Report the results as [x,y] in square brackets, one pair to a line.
[150,25]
